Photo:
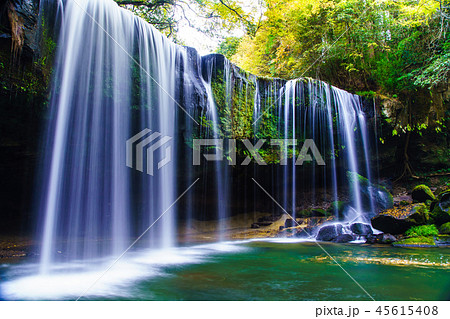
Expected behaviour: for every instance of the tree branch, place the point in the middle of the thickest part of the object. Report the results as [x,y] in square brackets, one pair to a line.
[150,5]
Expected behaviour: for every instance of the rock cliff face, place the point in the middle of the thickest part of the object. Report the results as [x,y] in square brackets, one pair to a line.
[23,94]
[421,123]
[19,25]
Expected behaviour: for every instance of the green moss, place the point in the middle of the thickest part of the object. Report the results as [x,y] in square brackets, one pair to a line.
[368,94]
[422,231]
[404,203]
[422,193]
[445,228]
[416,241]
[442,193]
[420,214]
[439,216]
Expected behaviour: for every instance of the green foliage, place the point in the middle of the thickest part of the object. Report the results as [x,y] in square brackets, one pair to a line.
[389,47]
[229,46]
[398,50]
[422,231]
[160,13]
[368,94]
[436,72]
[214,15]
[235,103]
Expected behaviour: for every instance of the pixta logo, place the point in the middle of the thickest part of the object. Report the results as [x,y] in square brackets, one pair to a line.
[147,145]
[308,151]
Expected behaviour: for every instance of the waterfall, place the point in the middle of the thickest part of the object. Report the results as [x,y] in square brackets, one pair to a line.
[220,169]
[334,120]
[114,77]
[119,83]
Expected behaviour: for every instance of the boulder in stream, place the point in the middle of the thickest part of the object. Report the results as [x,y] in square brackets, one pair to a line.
[344,238]
[441,210]
[371,194]
[399,219]
[329,232]
[361,229]
[381,239]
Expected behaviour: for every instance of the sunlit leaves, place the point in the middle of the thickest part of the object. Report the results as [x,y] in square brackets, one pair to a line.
[351,43]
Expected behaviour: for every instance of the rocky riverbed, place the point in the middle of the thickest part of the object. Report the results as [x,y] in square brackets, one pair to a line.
[14,249]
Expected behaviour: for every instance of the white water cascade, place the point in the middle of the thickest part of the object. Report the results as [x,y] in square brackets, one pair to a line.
[108,63]
[116,76]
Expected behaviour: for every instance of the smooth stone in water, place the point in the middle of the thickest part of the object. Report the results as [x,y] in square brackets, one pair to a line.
[361,229]
[329,233]
[381,239]
[344,238]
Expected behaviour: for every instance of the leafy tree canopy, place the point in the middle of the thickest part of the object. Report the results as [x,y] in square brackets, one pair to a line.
[356,44]
[214,15]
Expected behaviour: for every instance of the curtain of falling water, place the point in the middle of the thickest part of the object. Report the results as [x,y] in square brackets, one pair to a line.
[106,57]
[115,76]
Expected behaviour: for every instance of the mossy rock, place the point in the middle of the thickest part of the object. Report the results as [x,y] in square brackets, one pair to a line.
[443,192]
[416,242]
[441,211]
[304,213]
[318,212]
[433,205]
[445,229]
[443,195]
[338,209]
[361,229]
[442,240]
[399,219]
[422,193]
[371,193]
